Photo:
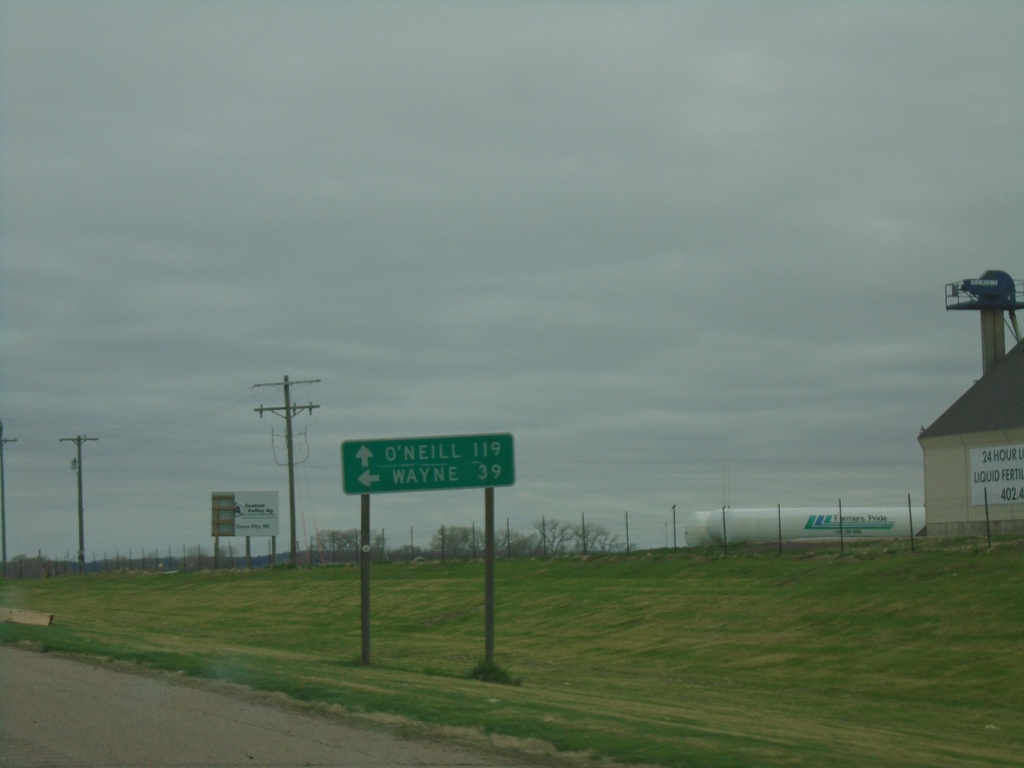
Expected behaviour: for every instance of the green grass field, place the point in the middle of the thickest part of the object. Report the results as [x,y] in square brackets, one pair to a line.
[873,658]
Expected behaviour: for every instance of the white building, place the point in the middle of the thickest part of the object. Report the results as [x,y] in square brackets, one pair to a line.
[974,456]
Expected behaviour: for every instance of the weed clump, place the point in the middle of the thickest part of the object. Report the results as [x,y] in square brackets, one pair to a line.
[492,672]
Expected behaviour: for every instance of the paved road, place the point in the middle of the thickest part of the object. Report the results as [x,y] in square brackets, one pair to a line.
[60,712]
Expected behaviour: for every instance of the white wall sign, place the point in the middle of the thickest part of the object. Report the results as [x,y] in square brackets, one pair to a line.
[999,470]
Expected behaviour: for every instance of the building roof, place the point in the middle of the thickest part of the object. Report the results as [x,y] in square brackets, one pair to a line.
[995,402]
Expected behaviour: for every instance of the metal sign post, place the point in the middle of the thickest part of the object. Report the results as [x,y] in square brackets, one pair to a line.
[364,576]
[489,575]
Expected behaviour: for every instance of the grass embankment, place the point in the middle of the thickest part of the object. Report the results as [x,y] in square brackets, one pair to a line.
[871,658]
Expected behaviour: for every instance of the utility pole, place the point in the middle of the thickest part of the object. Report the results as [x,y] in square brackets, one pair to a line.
[288,410]
[77,465]
[3,505]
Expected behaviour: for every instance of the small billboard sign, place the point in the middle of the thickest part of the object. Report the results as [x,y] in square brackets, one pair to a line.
[245,513]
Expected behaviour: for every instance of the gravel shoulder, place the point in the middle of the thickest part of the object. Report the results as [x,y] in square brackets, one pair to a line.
[62,711]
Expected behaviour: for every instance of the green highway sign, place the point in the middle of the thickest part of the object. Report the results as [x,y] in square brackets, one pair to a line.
[447,462]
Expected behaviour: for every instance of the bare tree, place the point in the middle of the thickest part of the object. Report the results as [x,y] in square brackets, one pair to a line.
[517,544]
[378,544]
[337,545]
[458,541]
[560,536]
[596,538]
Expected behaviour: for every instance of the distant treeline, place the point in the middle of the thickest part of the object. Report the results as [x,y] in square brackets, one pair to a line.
[329,547]
[548,538]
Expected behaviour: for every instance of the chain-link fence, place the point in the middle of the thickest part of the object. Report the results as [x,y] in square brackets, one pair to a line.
[780,529]
[986,518]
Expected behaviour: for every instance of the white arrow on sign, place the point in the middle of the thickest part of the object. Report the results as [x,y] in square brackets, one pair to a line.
[364,454]
[366,478]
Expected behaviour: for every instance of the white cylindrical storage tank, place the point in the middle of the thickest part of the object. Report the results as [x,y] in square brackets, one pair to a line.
[702,529]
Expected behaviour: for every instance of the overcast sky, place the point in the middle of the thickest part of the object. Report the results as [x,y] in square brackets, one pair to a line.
[688,253]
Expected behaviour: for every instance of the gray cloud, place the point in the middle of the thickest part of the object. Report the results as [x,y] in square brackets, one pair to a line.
[663,244]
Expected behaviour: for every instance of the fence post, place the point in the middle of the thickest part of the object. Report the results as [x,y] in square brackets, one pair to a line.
[842,543]
[627,531]
[583,520]
[988,531]
[725,535]
[779,507]
[543,535]
[910,513]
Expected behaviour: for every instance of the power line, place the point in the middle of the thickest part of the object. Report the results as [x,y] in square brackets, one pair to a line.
[174,422]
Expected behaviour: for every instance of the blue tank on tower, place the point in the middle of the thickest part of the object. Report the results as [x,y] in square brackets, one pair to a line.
[992,294]
[994,290]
